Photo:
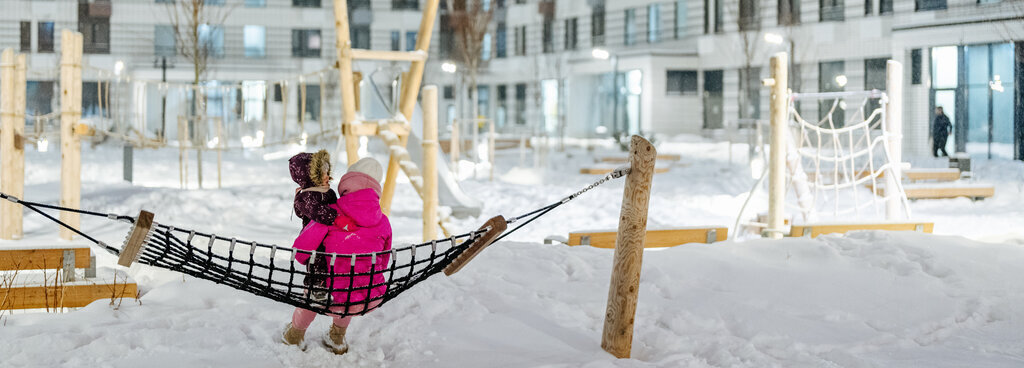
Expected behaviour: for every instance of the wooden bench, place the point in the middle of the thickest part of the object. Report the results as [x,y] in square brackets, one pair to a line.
[814,230]
[932,174]
[26,288]
[606,170]
[655,238]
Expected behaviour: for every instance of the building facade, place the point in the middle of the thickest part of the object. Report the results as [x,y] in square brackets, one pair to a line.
[668,67]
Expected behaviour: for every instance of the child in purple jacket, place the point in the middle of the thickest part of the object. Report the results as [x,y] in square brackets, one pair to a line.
[360,228]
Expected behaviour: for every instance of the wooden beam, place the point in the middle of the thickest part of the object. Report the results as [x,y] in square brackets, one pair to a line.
[348,99]
[430,163]
[495,226]
[661,158]
[779,113]
[136,240]
[617,337]
[71,112]
[10,212]
[952,174]
[814,230]
[75,295]
[40,259]
[363,54]
[654,238]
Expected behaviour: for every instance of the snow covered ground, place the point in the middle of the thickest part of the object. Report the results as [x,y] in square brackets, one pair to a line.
[868,299]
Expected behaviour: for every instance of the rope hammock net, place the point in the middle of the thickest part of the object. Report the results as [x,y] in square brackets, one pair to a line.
[336,284]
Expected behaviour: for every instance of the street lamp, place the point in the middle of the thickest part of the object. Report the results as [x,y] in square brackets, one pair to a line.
[602,54]
[449,67]
[773,38]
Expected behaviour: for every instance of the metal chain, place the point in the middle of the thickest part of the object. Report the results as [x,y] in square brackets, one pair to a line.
[615,174]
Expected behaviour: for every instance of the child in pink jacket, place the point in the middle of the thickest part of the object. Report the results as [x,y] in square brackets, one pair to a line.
[359,191]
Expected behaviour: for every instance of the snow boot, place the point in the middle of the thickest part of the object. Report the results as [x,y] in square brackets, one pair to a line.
[294,336]
[335,340]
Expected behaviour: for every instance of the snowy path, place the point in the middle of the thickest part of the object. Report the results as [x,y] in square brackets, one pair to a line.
[868,299]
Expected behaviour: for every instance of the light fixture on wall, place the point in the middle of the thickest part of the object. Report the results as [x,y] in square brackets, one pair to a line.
[118,67]
[841,80]
[449,67]
[773,38]
[996,84]
[599,53]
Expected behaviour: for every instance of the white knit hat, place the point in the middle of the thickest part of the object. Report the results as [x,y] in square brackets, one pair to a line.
[368,166]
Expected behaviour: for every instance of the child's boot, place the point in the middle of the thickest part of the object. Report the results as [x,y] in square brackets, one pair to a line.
[293,336]
[335,340]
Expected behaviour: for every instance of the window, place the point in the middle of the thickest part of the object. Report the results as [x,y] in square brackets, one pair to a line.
[868,7]
[520,40]
[915,66]
[874,78]
[570,34]
[449,92]
[164,44]
[252,3]
[789,12]
[679,25]
[750,102]
[164,1]
[520,1]
[922,5]
[396,40]
[547,34]
[45,37]
[278,93]
[749,19]
[884,6]
[630,27]
[447,37]
[39,97]
[214,2]
[831,10]
[360,36]
[305,3]
[26,36]
[719,13]
[91,98]
[410,40]
[254,39]
[500,116]
[358,4]
[500,36]
[405,4]
[211,38]
[94,24]
[485,48]
[707,16]
[827,82]
[653,23]
[312,103]
[681,82]
[483,101]
[597,25]
[306,43]
[502,93]
[521,103]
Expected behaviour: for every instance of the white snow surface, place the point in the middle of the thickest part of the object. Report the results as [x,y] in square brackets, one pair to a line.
[868,299]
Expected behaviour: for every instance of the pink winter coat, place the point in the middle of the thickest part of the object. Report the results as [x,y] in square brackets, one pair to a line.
[371,234]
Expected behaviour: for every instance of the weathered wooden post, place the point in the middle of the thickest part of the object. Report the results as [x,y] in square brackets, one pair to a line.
[779,113]
[348,101]
[454,147]
[12,145]
[490,146]
[894,130]
[429,102]
[617,338]
[70,114]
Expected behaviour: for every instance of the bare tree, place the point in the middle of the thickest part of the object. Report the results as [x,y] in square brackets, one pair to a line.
[748,24]
[470,20]
[196,25]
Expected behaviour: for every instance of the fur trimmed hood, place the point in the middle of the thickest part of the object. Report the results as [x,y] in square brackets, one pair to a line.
[308,169]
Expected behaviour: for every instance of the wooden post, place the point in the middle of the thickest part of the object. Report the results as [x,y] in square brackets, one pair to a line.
[490,146]
[429,104]
[410,90]
[894,130]
[617,338]
[348,101]
[70,113]
[454,147]
[777,159]
[12,147]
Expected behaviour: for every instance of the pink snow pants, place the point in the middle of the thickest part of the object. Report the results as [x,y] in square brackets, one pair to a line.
[302,318]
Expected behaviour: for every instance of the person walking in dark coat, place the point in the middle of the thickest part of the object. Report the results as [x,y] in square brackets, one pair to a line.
[941,129]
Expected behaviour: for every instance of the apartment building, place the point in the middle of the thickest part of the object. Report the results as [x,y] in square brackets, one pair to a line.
[669,67]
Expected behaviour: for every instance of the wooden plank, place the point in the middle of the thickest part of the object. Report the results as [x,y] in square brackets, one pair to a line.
[622,160]
[606,170]
[363,54]
[974,192]
[67,296]
[932,174]
[655,238]
[136,239]
[843,228]
[40,259]
[430,190]
[497,226]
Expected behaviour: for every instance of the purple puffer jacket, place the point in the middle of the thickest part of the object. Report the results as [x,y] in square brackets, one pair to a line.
[373,234]
[310,204]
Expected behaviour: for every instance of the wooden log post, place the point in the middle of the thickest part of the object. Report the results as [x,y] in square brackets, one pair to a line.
[894,131]
[12,148]
[454,147]
[617,338]
[70,114]
[490,146]
[779,113]
[348,99]
[430,199]
[407,101]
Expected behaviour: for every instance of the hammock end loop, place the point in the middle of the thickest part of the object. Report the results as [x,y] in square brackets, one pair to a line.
[494,227]
[136,240]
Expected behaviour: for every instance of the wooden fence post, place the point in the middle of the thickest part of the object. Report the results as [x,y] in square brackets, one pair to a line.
[70,114]
[12,149]
[894,130]
[779,112]
[617,338]
[429,101]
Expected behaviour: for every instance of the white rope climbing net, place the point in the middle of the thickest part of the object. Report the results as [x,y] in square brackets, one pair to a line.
[837,166]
